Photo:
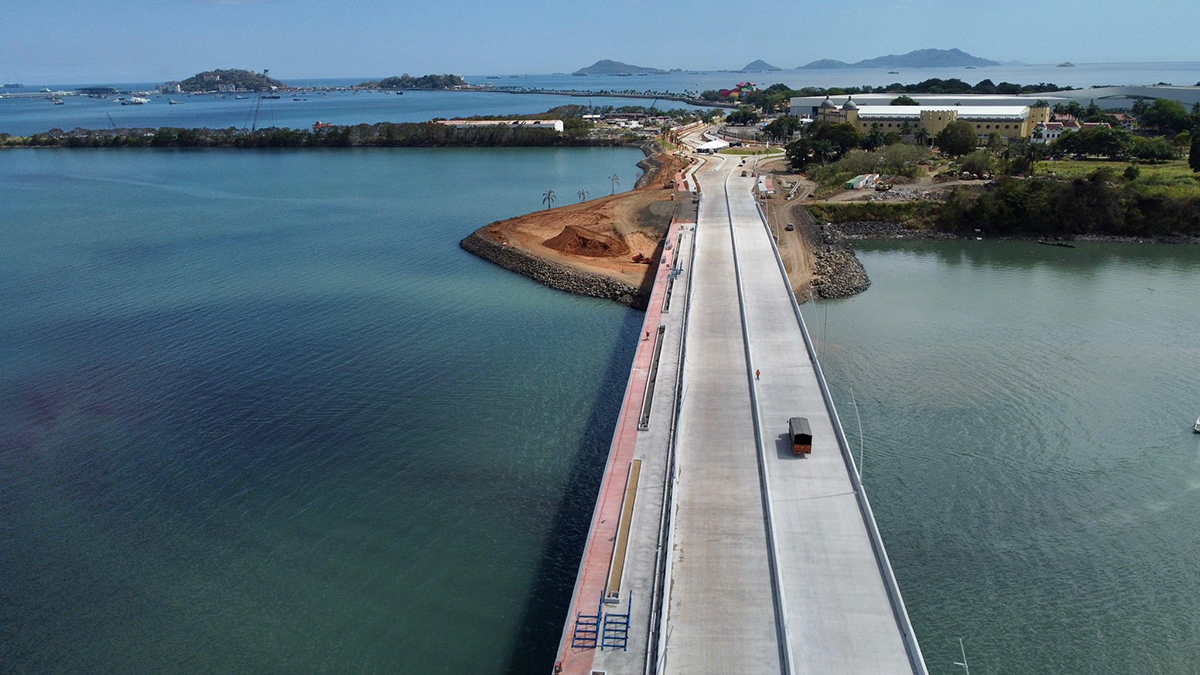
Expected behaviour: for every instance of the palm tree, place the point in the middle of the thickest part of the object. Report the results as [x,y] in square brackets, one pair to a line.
[922,136]
[583,195]
[615,182]
[548,198]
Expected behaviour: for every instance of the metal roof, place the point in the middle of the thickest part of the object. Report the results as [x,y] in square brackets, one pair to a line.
[1010,112]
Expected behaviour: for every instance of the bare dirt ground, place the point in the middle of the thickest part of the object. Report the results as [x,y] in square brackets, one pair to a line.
[603,235]
[795,251]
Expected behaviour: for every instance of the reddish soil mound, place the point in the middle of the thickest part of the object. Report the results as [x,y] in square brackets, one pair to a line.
[578,241]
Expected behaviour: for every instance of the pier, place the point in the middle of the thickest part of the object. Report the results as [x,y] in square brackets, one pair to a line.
[713,548]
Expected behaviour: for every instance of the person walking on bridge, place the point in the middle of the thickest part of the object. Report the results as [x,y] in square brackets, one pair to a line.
[757,373]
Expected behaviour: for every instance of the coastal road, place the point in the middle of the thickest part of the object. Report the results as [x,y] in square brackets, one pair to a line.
[841,619]
[773,568]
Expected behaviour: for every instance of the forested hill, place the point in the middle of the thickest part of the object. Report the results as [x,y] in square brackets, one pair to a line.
[921,58]
[209,80]
[407,81]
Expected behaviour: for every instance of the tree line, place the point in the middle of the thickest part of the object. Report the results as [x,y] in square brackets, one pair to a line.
[772,98]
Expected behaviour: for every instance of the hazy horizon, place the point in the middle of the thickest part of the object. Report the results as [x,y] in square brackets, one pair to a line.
[146,41]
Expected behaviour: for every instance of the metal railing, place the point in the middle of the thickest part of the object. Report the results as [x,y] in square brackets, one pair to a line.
[916,660]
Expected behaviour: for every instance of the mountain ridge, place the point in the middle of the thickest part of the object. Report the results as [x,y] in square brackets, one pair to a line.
[918,58]
[610,67]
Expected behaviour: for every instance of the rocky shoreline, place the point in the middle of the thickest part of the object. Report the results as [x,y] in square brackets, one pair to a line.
[553,274]
[839,274]
[564,277]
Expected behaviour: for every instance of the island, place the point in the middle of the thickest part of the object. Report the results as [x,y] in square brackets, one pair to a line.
[1065,64]
[232,79]
[920,58]
[406,81]
[760,66]
[610,67]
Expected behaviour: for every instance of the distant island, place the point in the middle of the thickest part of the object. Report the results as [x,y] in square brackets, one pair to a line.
[921,58]
[610,67]
[407,81]
[1065,64]
[213,80]
[760,66]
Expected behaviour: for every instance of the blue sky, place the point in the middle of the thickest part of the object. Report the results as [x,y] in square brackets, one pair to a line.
[72,41]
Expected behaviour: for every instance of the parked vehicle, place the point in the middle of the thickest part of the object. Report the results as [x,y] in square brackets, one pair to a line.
[790,227]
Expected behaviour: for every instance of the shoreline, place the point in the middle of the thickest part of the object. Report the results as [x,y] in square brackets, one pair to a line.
[840,274]
[622,224]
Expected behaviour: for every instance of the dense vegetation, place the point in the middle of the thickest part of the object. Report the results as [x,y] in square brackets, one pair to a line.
[773,97]
[209,80]
[1100,204]
[1104,202]
[424,134]
[407,81]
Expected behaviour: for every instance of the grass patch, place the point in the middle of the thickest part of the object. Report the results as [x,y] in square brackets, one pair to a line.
[1174,179]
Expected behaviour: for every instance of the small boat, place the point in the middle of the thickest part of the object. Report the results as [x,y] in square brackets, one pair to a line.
[1062,244]
[271,96]
[239,97]
[1196,428]
[56,101]
[893,72]
[172,101]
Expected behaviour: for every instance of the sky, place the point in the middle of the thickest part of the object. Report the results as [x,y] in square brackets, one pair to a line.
[89,41]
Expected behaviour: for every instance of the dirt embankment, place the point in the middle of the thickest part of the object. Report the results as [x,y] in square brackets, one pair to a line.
[607,247]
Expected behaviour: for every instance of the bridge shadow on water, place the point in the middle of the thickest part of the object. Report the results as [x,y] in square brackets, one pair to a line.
[546,609]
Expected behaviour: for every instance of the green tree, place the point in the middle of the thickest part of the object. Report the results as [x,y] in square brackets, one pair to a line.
[904,99]
[1166,116]
[782,128]
[744,115]
[979,162]
[874,138]
[1194,154]
[958,138]
[841,137]
[1155,149]
[548,198]
[1132,172]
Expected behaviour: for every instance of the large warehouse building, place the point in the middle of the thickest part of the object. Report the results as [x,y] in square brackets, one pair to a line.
[1007,119]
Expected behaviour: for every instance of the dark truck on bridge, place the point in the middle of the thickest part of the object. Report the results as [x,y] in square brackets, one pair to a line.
[801,435]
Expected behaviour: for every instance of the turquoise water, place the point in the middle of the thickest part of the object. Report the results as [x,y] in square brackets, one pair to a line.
[1027,415]
[259,412]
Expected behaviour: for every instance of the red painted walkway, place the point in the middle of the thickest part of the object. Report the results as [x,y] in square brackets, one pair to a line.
[597,556]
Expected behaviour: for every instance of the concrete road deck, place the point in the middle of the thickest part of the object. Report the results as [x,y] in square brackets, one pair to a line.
[721,609]
[840,617]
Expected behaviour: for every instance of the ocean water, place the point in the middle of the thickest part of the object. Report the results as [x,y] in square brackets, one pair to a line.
[259,412]
[25,116]
[1026,415]
[1082,76]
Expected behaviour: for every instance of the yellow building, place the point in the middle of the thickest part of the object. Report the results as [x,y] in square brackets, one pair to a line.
[1008,121]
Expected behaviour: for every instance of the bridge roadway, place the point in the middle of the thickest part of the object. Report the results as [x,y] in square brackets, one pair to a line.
[826,594]
[748,559]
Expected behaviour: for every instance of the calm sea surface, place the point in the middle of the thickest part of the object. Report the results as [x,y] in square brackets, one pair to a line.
[259,412]
[24,116]
[28,116]
[1026,417]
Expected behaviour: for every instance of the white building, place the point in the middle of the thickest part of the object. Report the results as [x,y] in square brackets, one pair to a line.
[1047,132]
